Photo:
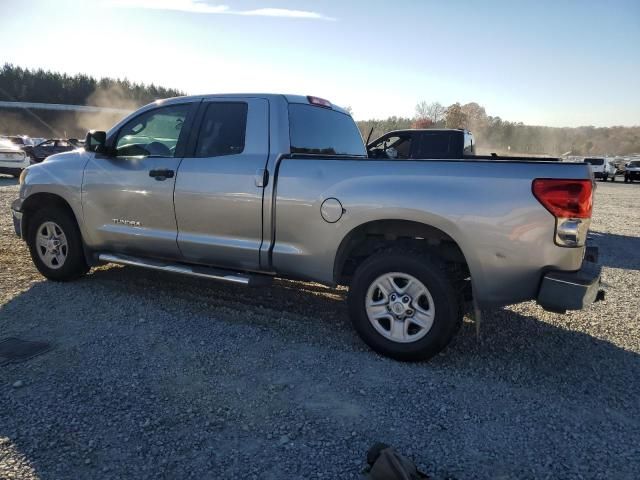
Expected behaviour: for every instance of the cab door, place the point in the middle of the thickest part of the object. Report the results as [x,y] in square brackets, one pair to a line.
[218,194]
[127,196]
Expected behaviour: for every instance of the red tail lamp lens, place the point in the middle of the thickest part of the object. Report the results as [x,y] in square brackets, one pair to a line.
[565,198]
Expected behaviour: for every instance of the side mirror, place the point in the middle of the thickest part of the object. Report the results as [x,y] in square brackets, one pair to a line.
[96,141]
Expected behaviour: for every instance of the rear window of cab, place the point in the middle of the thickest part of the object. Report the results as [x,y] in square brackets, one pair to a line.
[323,131]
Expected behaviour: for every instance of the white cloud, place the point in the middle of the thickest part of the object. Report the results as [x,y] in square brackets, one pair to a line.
[284,12]
[204,6]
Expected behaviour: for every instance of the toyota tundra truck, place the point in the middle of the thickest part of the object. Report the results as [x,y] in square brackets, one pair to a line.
[245,188]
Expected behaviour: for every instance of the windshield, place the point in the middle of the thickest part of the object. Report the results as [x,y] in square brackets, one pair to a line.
[634,164]
[322,131]
[594,161]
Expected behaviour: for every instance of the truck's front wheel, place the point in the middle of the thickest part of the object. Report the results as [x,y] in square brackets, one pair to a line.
[55,245]
[404,305]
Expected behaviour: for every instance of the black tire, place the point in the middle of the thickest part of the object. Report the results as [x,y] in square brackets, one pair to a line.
[626,179]
[75,264]
[613,179]
[429,270]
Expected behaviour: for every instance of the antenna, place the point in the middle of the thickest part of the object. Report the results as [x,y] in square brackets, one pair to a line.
[369,136]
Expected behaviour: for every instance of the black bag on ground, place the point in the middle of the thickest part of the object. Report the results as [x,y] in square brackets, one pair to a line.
[387,464]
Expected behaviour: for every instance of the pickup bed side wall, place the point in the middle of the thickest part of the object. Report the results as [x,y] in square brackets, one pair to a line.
[486,207]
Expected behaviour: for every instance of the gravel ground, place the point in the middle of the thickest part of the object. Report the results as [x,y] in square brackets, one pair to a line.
[159,376]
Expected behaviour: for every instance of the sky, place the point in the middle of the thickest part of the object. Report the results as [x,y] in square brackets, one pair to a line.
[555,63]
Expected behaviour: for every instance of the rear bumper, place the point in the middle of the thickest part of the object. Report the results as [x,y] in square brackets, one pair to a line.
[562,291]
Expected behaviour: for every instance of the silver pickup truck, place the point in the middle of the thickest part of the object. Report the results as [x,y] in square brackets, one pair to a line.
[244,188]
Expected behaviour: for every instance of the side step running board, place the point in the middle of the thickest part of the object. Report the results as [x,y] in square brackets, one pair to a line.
[186,269]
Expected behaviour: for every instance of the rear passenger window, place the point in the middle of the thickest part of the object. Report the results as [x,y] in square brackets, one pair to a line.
[223,130]
[435,145]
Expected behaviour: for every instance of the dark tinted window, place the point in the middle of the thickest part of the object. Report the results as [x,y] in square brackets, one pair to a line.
[594,161]
[323,131]
[435,145]
[223,130]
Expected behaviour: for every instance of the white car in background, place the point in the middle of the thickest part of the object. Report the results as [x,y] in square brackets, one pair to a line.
[602,168]
[12,159]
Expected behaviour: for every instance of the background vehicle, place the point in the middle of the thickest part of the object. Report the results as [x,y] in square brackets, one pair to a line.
[632,171]
[12,159]
[49,147]
[423,143]
[243,188]
[433,143]
[602,168]
[19,140]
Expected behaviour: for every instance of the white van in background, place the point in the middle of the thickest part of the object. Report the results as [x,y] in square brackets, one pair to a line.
[602,168]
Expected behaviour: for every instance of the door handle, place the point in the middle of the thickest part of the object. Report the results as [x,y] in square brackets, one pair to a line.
[161,173]
[262,178]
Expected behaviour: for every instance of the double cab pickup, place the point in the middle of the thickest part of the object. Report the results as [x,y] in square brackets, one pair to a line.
[245,188]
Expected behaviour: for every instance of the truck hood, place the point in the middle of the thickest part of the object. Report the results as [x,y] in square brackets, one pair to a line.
[71,156]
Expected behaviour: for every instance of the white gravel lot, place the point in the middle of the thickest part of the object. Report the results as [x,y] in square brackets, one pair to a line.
[159,376]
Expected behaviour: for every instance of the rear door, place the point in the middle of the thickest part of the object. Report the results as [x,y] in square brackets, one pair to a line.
[219,187]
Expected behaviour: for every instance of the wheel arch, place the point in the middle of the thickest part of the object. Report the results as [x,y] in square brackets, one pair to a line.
[39,200]
[368,238]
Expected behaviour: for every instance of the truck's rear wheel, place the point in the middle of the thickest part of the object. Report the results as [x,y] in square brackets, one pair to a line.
[404,305]
[55,245]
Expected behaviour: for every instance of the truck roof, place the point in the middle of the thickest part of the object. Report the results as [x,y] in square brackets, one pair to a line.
[289,98]
[434,130]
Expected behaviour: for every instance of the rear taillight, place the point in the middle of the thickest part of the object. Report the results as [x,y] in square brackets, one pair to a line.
[571,203]
[565,198]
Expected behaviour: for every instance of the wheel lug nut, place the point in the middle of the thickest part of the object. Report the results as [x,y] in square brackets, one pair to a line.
[406,299]
[393,296]
[409,312]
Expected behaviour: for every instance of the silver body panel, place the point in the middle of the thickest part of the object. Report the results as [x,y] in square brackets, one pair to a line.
[60,175]
[118,194]
[215,211]
[486,207]
[228,229]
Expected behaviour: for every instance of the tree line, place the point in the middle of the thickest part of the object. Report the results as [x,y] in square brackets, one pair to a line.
[19,84]
[494,134]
